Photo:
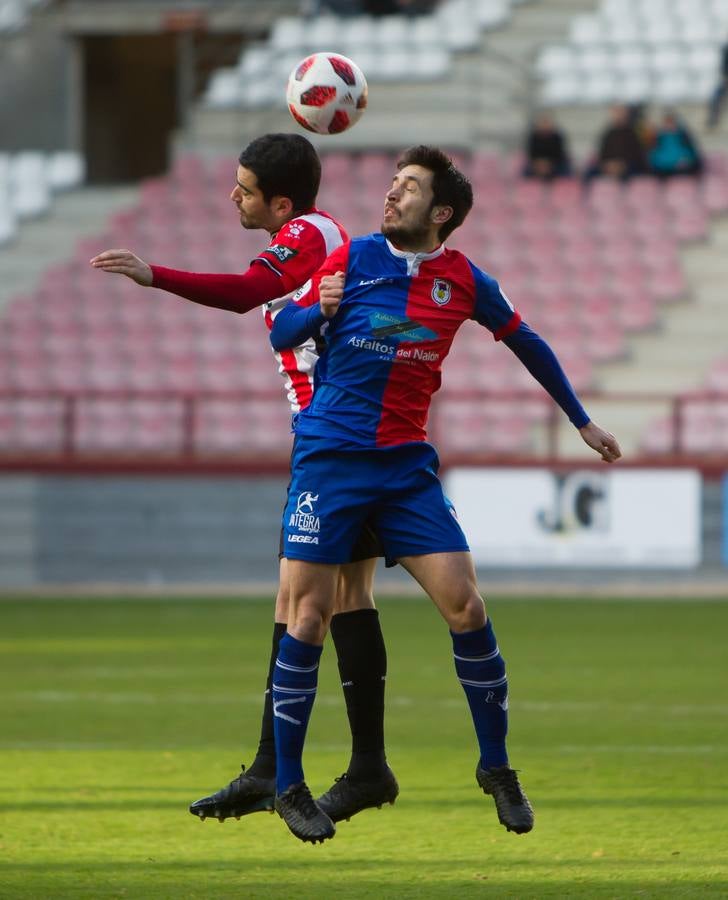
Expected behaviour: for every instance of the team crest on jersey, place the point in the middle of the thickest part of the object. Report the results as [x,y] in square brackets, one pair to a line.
[281,253]
[441,291]
[295,229]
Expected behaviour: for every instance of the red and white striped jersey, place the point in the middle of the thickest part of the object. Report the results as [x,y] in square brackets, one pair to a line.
[295,254]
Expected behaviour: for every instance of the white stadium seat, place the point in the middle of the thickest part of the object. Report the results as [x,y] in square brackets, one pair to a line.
[8,224]
[586,29]
[598,87]
[672,88]
[323,33]
[358,31]
[556,60]
[424,31]
[703,59]
[65,170]
[223,89]
[429,63]
[625,31]
[698,30]
[256,62]
[561,89]
[289,33]
[391,33]
[631,59]
[595,60]
[492,14]
[634,87]
[667,60]
[29,190]
[661,31]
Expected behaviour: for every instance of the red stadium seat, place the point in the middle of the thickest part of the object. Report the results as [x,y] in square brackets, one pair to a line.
[31,425]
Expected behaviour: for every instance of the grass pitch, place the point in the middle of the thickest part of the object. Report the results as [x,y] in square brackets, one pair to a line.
[116,714]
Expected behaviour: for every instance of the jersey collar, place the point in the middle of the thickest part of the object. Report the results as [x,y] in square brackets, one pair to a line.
[414,260]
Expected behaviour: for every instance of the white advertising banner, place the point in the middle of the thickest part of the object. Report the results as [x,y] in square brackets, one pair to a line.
[533,518]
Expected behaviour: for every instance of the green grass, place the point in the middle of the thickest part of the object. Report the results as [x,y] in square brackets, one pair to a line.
[116,714]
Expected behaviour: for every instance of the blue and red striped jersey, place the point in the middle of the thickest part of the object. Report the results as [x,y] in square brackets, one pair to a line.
[386,345]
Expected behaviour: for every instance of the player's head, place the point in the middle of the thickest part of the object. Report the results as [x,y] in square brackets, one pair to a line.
[428,197]
[278,178]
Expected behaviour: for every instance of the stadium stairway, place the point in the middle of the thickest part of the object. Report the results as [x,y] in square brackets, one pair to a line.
[42,242]
[677,356]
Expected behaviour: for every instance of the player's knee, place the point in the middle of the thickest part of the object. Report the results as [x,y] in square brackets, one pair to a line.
[311,625]
[466,612]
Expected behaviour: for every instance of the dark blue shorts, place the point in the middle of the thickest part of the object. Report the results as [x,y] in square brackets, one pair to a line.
[396,489]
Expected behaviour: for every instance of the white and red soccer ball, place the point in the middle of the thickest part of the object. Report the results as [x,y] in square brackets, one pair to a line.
[327,93]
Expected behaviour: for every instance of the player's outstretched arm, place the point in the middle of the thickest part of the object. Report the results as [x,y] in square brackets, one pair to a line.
[124,262]
[604,442]
[236,293]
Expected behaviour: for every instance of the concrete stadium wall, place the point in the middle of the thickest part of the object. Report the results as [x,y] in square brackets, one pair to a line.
[144,530]
[151,531]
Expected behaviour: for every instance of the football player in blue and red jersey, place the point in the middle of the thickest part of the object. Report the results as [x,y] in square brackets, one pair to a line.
[389,305]
[277,180]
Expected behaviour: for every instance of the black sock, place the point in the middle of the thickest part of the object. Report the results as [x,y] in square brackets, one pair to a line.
[264,764]
[362,659]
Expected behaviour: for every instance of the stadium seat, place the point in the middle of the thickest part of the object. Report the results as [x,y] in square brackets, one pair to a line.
[65,169]
[31,425]
[562,254]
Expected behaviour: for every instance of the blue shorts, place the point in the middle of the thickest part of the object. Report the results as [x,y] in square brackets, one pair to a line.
[334,491]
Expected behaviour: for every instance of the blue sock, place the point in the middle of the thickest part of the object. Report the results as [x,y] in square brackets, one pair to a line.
[482,673]
[293,689]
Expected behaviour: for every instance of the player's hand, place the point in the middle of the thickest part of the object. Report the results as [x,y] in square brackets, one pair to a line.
[331,290]
[602,441]
[124,263]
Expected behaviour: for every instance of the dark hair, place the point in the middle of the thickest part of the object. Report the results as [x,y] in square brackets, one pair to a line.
[449,186]
[285,165]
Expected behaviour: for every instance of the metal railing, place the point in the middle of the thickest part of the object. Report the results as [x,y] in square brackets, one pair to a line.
[64,427]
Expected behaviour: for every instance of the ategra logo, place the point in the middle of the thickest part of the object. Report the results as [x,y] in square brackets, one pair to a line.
[304,519]
[305,502]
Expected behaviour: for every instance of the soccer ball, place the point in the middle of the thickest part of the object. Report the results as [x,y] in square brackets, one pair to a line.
[327,93]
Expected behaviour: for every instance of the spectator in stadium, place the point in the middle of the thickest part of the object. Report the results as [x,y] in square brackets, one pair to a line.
[620,152]
[674,150]
[388,306]
[277,181]
[718,95]
[547,154]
